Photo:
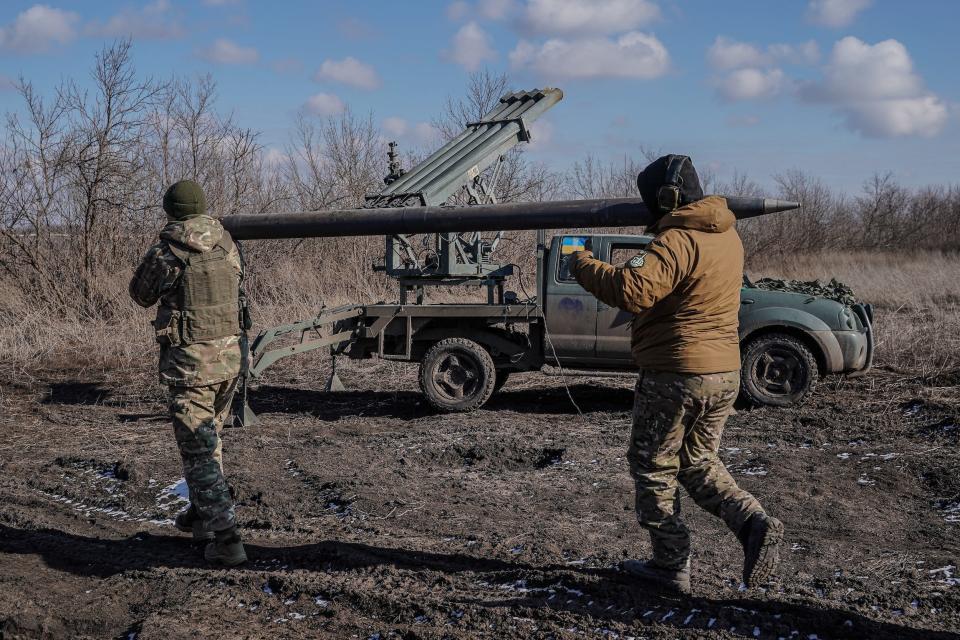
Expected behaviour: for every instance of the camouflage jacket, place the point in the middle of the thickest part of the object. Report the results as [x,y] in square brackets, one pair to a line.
[157,279]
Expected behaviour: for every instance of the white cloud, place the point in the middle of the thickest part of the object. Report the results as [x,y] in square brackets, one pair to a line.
[835,13]
[225,51]
[875,89]
[725,54]
[750,84]
[325,104]
[749,72]
[632,55]
[495,9]
[425,133]
[421,133]
[153,22]
[541,135]
[730,54]
[804,53]
[576,17]
[38,28]
[349,71]
[395,126]
[471,47]
[275,157]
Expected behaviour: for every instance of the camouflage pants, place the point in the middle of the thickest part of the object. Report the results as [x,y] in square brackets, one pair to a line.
[198,414]
[677,423]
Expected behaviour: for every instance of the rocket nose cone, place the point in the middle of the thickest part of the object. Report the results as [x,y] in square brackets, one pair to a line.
[771,205]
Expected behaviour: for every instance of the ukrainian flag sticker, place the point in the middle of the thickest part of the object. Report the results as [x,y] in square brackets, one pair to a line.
[569,244]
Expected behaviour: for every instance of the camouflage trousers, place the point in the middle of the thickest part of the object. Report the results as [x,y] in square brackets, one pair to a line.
[198,414]
[677,423]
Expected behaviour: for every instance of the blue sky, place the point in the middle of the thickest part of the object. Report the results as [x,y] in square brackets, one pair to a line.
[840,88]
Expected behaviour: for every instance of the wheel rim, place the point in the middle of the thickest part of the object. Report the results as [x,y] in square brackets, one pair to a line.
[779,371]
[457,376]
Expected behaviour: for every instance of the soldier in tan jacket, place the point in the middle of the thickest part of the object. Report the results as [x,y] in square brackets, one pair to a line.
[684,290]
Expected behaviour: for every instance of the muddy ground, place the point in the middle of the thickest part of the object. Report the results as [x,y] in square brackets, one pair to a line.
[368,516]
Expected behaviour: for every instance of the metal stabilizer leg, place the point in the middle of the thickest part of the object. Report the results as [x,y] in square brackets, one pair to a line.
[242,414]
[333,382]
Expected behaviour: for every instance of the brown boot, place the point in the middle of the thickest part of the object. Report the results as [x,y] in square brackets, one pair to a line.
[760,536]
[226,550]
[677,580]
[189,521]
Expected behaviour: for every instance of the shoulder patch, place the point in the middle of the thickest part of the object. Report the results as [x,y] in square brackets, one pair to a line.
[637,261]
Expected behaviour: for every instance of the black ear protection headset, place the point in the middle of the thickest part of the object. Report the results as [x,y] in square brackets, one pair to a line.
[668,195]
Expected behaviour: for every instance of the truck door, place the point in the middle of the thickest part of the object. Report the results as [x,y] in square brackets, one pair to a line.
[613,325]
[571,312]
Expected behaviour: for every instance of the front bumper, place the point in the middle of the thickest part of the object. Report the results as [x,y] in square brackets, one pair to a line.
[858,346]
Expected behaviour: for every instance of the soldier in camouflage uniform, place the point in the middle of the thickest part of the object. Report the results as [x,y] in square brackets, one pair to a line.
[195,272]
[684,290]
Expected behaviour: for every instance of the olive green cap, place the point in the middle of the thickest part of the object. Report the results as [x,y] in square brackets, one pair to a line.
[184,199]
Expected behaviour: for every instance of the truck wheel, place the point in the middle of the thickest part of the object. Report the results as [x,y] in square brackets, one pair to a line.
[457,374]
[777,370]
[502,377]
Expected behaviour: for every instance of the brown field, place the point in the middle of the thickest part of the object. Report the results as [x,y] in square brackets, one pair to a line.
[369,516]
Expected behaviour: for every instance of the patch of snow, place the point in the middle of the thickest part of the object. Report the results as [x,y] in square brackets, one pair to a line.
[173,494]
[754,471]
[952,513]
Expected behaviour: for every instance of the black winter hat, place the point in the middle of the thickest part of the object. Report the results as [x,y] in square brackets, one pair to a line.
[184,199]
[654,176]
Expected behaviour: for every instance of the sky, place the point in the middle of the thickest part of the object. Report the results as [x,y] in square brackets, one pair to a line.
[839,88]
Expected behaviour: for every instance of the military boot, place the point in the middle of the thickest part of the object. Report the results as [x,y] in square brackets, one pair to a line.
[226,549]
[189,521]
[760,536]
[677,580]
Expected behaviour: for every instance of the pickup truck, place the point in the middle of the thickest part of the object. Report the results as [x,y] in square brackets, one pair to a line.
[466,351]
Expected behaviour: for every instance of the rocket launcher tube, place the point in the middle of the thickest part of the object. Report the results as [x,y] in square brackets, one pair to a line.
[564,214]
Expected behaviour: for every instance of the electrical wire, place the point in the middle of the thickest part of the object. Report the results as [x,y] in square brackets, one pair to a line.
[549,340]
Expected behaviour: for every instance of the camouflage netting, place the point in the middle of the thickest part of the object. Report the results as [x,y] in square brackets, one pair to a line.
[833,290]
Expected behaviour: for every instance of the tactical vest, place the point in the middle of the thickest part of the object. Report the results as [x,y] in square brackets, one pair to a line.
[205,305]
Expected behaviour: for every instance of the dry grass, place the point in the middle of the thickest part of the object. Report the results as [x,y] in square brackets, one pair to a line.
[888,280]
[917,298]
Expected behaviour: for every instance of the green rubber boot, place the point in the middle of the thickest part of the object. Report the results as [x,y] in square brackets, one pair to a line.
[226,550]
[189,521]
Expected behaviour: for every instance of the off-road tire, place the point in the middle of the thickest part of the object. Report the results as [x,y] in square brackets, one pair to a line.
[457,375]
[502,377]
[778,370]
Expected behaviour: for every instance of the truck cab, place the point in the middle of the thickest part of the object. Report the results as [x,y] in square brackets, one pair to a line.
[788,340]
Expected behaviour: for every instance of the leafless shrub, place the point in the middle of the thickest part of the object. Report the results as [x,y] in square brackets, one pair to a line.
[82,173]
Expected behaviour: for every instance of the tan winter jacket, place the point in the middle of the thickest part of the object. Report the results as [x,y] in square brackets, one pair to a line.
[684,290]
